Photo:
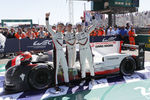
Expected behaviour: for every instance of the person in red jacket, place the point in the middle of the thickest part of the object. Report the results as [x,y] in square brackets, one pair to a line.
[30,34]
[101,32]
[34,30]
[20,34]
[93,33]
[132,37]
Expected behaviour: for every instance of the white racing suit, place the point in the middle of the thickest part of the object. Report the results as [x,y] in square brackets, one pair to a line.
[70,39]
[85,50]
[60,55]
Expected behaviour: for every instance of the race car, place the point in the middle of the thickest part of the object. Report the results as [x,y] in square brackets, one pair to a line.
[23,73]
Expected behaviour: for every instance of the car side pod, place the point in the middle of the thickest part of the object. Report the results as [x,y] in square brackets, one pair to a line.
[41,77]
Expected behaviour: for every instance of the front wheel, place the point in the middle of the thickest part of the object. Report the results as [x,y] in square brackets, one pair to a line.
[40,77]
[127,66]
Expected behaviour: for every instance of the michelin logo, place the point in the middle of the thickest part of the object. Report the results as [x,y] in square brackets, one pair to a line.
[2,42]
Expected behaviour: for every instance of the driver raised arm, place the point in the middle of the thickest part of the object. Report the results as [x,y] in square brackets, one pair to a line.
[49,27]
[89,29]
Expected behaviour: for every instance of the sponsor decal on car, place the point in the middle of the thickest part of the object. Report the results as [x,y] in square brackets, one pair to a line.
[102,44]
[22,76]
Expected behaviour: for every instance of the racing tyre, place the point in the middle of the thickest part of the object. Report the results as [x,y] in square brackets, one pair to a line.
[40,77]
[127,66]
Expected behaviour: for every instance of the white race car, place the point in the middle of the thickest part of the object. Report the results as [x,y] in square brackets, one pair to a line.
[39,73]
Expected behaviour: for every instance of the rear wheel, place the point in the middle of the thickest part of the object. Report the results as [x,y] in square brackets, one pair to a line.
[127,66]
[40,77]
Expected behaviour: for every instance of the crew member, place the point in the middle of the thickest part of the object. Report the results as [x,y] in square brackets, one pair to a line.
[132,37]
[83,37]
[57,38]
[70,39]
[101,32]
[93,33]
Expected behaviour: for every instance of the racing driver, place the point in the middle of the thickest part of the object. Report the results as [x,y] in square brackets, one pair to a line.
[57,38]
[70,40]
[83,38]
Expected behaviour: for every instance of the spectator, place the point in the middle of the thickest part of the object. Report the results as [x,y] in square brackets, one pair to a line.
[128,27]
[124,35]
[110,31]
[23,30]
[30,34]
[101,32]
[42,33]
[116,31]
[5,32]
[36,34]
[20,34]
[97,32]
[47,34]
[93,33]
[11,33]
[132,37]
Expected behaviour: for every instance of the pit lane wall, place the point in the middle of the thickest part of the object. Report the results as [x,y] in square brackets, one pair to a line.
[15,45]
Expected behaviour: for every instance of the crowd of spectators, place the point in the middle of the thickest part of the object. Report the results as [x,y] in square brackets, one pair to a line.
[20,33]
[126,34]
